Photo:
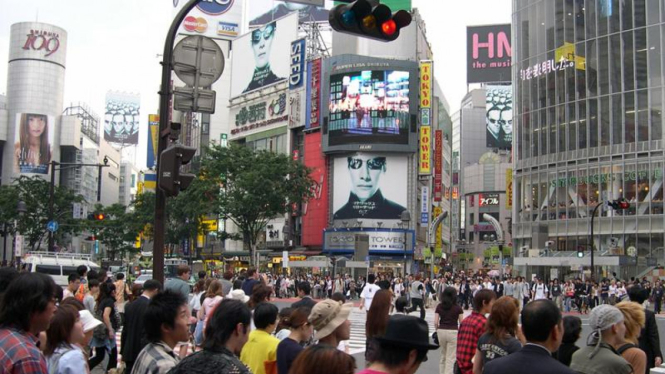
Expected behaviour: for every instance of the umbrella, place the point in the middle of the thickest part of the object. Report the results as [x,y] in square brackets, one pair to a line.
[493,273]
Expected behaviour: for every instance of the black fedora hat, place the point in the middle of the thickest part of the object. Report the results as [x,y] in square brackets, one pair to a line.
[408,332]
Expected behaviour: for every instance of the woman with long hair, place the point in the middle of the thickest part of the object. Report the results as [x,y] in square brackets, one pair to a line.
[634,319]
[377,321]
[323,359]
[103,340]
[447,317]
[572,328]
[32,149]
[501,337]
[214,296]
[62,351]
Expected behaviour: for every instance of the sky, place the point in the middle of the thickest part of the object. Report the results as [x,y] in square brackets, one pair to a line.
[116,44]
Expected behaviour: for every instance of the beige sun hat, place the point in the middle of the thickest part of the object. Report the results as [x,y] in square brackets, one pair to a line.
[328,315]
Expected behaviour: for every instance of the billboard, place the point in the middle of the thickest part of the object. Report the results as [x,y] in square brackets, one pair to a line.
[509,188]
[380,241]
[121,118]
[213,18]
[153,140]
[268,111]
[488,54]
[369,186]
[297,70]
[425,153]
[499,106]
[262,12]
[34,134]
[488,199]
[438,164]
[369,106]
[262,57]
[315,211]
[313,110]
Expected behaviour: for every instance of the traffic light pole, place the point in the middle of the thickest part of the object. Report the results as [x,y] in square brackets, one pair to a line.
[163,140]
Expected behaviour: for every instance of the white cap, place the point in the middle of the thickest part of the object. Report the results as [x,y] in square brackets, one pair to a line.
[89,322]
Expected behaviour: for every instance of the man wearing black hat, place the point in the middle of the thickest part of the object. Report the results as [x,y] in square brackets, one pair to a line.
[403,347]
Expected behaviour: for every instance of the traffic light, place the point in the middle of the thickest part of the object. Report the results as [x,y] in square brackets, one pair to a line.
[621,204]
[368,19]
[171,180]
[97,216]
[580,252]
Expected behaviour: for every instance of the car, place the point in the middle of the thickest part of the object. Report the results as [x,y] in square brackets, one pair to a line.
[142,278]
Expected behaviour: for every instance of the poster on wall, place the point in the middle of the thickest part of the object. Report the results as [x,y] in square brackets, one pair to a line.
[153,140]
[121,119]
[369,106]
[262,57]
[34,134]
[369,186]
[499,106]
[262,12]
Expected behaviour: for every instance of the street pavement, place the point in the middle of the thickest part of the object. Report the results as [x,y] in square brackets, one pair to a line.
[431,366]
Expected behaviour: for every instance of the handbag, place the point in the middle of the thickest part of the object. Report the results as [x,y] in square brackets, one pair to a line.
[435,338]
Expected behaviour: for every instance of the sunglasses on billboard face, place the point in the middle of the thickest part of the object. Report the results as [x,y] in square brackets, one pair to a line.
[376,163]
[267,33]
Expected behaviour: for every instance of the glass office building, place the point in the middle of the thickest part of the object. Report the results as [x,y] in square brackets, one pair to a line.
[588,78]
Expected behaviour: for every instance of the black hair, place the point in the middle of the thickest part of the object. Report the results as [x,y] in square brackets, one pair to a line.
[92,274]
[93,283]
[371,278]
[448,297]
[538,319]
[73,277]
[572,328]
[265,314]
[393,356]
[105,291]
[81,270]
[482,297]
[338,296]
[638,294]
[7,275]
[221,325]
[29,293]
[202,274]
[401,303]
[151,285]
[162,310]
[120,276]
[237,284]
[304,287]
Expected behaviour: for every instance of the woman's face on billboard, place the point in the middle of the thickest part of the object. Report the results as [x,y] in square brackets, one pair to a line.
[36,125]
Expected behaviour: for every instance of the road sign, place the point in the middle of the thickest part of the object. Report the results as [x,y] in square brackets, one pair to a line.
[198,61]
[424,217]
[52,226]
[18,245]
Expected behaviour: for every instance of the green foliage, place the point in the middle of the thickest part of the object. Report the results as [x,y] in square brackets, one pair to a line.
[116,231]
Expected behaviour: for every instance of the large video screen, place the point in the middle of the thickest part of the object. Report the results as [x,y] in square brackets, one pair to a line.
[369,106]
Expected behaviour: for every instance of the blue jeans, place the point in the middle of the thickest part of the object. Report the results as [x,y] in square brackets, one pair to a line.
[568,304]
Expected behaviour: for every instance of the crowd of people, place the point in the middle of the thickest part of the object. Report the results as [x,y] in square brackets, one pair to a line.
[229,325]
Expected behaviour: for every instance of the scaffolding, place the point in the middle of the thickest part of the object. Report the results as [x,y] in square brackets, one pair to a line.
[89,120]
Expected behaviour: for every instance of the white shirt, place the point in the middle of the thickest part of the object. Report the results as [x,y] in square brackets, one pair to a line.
[540,289]
[613,290]
[368,294]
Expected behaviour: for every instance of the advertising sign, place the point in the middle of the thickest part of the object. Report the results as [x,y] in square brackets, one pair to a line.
[424,205]
[34,134]
[438,241]
[269,112]
[297,108]
[487,199]
[488,54]
[426,84]
[369,186]
[499,105]
[121,119]
[38,42]
[153,140]
[438,164]
[369,106]
[509,188]
[262,57]
[379,241]
[313,112]
[315,211]
[425,154]
[213,18]
[297,76]
[262,12]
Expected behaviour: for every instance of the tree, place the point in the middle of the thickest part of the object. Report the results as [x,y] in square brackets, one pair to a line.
[115,231]
[252,187]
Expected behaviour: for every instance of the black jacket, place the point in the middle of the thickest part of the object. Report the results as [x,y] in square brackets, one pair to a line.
[133,333]
[376,207]
[530,359]
[306,302]
[649,339]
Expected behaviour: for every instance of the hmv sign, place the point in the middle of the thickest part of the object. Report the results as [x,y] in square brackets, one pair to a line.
[488,54]
[43,41]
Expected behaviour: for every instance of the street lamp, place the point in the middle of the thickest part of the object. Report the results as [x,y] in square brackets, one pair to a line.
[405,217]
[21,208]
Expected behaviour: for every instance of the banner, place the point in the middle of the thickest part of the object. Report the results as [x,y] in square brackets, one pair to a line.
[297,77]
[438,164]
[315,211]
[509,188]
[369,186]
[153,140]
[34,134]
[425,84]
[488,54]
[122,116]
[313,112]
[425,158]
[499,105]
[424,205]
[438,241]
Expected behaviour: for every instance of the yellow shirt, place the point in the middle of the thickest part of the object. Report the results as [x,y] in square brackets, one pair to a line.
[260,348]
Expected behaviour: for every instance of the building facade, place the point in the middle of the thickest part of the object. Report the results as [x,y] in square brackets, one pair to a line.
[588,78]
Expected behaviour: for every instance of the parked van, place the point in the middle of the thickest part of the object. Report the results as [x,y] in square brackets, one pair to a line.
[57,265]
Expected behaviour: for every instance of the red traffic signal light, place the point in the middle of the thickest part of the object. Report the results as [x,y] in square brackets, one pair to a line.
[368,19]
[100,216]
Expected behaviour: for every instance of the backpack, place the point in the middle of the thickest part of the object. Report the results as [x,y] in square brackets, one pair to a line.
[625,347]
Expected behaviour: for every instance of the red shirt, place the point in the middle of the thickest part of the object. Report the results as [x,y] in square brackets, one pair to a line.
[19,353]
[470,330]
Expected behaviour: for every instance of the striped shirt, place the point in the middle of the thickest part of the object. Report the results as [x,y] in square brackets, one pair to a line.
[155,358]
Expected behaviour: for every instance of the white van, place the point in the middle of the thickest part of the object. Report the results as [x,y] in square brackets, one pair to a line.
[57,265]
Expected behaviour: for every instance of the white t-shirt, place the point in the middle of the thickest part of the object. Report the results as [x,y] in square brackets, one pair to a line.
[613,290]
[540,291]
[368,294]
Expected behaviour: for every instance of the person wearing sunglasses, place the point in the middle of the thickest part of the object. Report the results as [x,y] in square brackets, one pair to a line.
[262,39]
[365,198]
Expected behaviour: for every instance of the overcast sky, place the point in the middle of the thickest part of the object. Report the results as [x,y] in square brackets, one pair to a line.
[113,44]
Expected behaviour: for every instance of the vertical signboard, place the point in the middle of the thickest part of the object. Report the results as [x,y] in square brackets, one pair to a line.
[426,93]
[438,164]
[315,211]
[438,241]
[153,140]
[313,112]
[425,154]
[509,188]
[499,118]
[488,54]
[424,205]
[121,119]
[297,73]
